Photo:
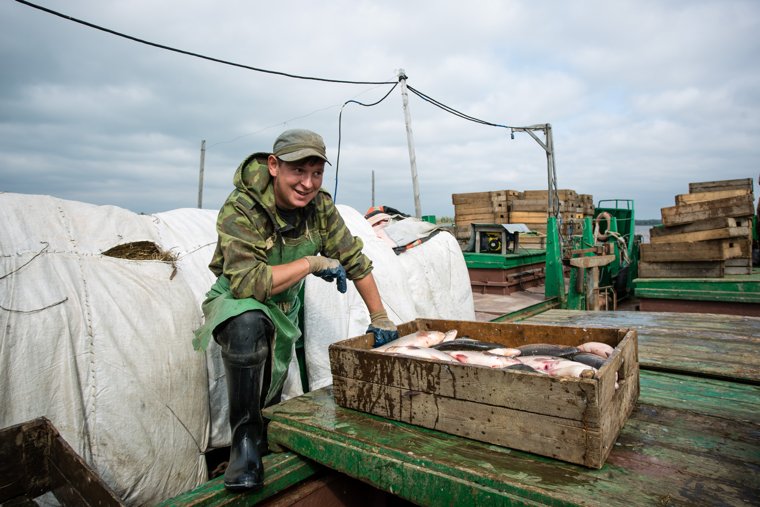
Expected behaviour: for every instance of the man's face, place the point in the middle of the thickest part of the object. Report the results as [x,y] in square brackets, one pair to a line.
[295,183]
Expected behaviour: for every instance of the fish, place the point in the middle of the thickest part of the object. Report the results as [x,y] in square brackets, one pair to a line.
[589,359]
[420,352]
[523,367]
[598,348]
[420,339]
[482,358]
[505,351]
[464,343]
[559,367]
[547,349]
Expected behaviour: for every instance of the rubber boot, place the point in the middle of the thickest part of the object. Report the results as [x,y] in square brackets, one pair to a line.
[244,341]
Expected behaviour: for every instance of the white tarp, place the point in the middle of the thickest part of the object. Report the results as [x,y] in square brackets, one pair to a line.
[427,281]
[102,346]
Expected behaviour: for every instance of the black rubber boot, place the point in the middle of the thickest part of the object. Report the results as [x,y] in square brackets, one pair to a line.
[245,348]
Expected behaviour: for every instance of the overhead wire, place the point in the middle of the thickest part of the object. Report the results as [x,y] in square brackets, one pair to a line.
[340,122]
[420,94]
[190,53]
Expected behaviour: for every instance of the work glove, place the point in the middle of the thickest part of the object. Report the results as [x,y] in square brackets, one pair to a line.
[328,269]
[382,328]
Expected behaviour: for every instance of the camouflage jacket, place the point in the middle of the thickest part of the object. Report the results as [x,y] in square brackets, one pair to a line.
[248,225]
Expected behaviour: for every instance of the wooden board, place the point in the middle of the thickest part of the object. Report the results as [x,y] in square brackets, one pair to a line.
[727,232]
[713,250]
[710,196]
[576,420]
[721,346]
[700,225]
[689,441]
[731,207]
[720,185]
[706,269]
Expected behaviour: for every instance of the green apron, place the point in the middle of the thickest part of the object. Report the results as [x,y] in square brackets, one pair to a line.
[282,309]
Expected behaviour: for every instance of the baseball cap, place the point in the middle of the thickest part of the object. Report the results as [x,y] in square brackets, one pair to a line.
[298,144]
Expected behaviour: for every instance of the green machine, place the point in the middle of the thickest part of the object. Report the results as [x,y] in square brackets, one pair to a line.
[602,258]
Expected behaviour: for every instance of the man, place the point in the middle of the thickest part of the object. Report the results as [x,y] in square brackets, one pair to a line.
[271,228]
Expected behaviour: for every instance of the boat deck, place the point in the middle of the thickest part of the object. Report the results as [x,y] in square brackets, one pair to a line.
[691,440]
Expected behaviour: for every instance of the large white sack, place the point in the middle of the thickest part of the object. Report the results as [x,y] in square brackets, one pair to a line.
[102,346]
[429,280]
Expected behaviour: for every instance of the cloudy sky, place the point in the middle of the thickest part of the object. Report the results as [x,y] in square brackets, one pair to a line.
[643,96]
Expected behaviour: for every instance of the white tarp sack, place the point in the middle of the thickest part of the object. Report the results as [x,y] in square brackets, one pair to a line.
[429,280]
[102,345]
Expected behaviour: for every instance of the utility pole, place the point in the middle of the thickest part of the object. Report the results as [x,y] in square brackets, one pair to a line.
[410,143]
[373,188]
[200,176]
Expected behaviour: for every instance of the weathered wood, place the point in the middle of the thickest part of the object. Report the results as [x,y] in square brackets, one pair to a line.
[586,414]
[710,195]
[713,186]
[722,346]
[713,250]
[707,269]
[281,471]
[728,232]
[700,225]
[731,207]
[689,441]
[35,459]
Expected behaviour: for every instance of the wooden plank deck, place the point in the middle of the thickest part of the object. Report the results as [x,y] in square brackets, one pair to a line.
[690,441]
[714,345]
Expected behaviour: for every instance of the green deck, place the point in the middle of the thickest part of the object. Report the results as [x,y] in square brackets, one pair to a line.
[691,440]
[731,288]
[719,346]
[508,261]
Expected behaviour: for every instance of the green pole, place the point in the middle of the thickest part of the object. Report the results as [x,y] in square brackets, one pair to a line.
[555,280]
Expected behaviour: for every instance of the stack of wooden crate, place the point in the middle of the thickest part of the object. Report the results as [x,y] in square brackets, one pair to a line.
[480,208]
[529,207]
[707,234]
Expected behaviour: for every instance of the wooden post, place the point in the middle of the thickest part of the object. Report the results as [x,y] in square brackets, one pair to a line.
[200,175]
[410,143]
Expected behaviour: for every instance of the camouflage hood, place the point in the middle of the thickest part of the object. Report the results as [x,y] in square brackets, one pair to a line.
[252,179]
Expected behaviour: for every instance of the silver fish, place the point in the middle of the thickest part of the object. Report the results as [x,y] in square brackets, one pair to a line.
[558,367]
[420,339]
[420,352]
[547,349]
[600,349]
[482,358]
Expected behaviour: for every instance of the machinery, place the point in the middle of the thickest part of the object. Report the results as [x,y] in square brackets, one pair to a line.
[601,258]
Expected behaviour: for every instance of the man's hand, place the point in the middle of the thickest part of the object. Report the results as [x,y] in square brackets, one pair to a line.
[382,327]
[328,269]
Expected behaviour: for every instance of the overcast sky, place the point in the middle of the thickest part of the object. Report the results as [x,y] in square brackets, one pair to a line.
[643,97]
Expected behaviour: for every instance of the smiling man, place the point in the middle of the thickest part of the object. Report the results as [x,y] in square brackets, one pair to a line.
[276,227]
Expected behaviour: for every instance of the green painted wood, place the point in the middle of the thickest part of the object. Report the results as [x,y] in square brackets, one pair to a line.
[529,311]
[721,346]
[731,288]
[526,257]
[678,448]
[281,471]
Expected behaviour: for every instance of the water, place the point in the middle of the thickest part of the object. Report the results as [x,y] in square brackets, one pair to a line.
[643,231]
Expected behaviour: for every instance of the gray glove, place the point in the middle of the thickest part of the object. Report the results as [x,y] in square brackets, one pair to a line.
[383,329]
[328,269]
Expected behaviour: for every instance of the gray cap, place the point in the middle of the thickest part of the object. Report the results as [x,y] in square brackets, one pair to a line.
[298,144]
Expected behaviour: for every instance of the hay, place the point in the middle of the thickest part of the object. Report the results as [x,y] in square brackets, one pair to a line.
[140,251]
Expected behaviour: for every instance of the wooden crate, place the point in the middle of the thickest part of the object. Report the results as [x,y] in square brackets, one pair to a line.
[570,419]
[35,459]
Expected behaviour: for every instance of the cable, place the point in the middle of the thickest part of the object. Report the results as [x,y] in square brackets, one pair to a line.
[453,111]
[340,122]
[189,53]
